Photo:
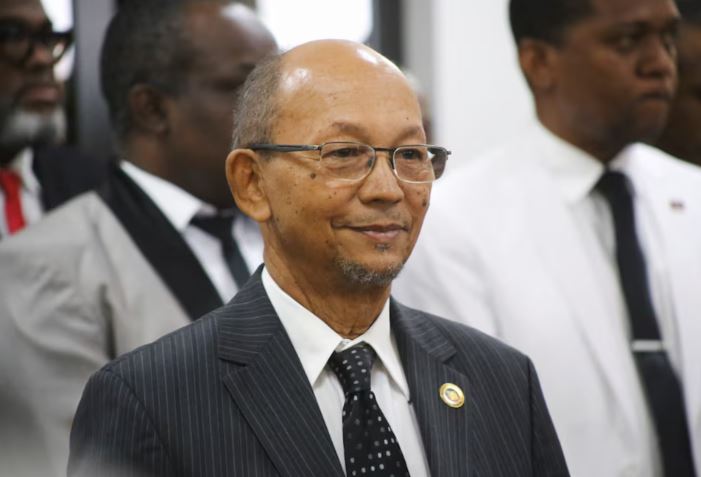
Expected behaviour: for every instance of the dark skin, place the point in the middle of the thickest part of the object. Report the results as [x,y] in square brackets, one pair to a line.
[610,80]
[31,86]
[185,138]
[681,137]
[333,90]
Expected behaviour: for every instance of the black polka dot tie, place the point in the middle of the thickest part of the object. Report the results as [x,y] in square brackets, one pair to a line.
[370,446]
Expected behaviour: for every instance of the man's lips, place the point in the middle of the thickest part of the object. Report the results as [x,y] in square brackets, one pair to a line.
[379,232]
[664,95]
[41,93]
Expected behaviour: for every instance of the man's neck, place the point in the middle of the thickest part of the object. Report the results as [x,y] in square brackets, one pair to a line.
[348,310]
[604,150]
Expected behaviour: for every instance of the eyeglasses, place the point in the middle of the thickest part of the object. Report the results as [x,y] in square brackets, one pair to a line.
[18,42]
[353,161]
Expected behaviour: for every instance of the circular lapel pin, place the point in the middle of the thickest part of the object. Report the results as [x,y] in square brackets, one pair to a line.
[452,395]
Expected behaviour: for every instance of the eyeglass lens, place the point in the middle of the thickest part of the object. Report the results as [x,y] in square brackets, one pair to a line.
[17,42]
[354,161]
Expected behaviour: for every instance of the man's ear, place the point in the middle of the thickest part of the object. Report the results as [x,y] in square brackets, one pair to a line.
[148,109]
[538,60]
[243,173]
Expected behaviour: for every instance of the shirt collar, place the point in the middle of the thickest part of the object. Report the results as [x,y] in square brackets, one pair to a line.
[178,205]
[314,341]
[575,171]
[22,165]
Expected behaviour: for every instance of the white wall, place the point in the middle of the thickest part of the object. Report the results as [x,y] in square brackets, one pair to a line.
[478,95]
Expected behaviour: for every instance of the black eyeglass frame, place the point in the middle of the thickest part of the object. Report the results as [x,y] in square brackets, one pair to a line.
[375,149]
[47,37]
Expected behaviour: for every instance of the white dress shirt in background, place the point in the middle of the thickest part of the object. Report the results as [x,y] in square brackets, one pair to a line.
[180,207]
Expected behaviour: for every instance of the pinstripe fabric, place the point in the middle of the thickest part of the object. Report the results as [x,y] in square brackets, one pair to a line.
[227,396]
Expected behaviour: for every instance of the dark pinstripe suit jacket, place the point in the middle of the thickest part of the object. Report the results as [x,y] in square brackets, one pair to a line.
[227,396]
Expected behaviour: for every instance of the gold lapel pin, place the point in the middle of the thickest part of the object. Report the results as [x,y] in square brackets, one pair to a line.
[452,395]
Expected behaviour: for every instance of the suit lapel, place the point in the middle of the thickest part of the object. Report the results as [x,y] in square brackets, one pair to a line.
[161,244]
[681,239]
[424,352]
[270,387]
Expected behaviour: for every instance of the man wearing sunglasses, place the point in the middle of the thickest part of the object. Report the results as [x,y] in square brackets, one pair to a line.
[34,174]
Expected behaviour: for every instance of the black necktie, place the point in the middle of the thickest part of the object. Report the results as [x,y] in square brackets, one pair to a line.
[370,446]
[662,386]
[219,226]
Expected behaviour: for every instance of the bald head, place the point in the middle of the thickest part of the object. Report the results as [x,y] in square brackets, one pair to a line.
[323,76]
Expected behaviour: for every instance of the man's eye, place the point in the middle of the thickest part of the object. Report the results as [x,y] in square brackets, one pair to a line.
[12,33]
[346,152]
[412,154]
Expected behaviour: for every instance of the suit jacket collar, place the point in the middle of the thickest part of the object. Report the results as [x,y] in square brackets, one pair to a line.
[64,173]
[161,244]
[269,385]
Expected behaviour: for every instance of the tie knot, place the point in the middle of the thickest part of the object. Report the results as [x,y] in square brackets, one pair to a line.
[614,185]
[218,226]
[353,367]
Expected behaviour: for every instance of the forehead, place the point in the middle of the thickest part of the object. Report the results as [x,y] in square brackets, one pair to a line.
[360,101]
[634,11]
[28,11]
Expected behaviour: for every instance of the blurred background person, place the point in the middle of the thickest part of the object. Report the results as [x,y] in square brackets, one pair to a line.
[682,136]
[35,174]
[579,246]
[159,244]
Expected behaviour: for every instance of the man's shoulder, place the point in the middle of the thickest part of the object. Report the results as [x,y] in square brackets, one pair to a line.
[466,339]
[71,223]
[657,165]
[187,351]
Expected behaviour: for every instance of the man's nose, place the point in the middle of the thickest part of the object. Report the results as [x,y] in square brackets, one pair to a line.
[381,185]
[660,58]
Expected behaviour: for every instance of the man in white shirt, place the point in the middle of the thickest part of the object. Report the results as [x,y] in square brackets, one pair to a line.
[580,247]
[157,245]
[312,370]
[34,174]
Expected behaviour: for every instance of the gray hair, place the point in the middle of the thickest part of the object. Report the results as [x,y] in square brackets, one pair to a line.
[257,103]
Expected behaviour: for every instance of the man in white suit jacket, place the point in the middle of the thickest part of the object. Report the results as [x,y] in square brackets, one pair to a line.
[532,257]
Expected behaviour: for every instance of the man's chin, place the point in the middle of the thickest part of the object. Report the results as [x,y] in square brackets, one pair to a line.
[365,276]
[22,128]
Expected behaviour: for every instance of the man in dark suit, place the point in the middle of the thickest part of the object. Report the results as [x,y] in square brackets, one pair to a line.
[312,369]
[35,175]
[156,246]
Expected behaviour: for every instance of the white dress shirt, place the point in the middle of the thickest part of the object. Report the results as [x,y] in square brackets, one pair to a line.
[180,207]
[576,174]
[314,341]
[30,195]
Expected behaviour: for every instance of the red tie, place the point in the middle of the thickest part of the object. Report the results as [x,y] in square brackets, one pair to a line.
[11,184]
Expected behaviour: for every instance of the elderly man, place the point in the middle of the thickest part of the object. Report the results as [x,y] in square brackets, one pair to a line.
[150,250]
[35,176]
[312,370]
[682,135]
[580,247]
